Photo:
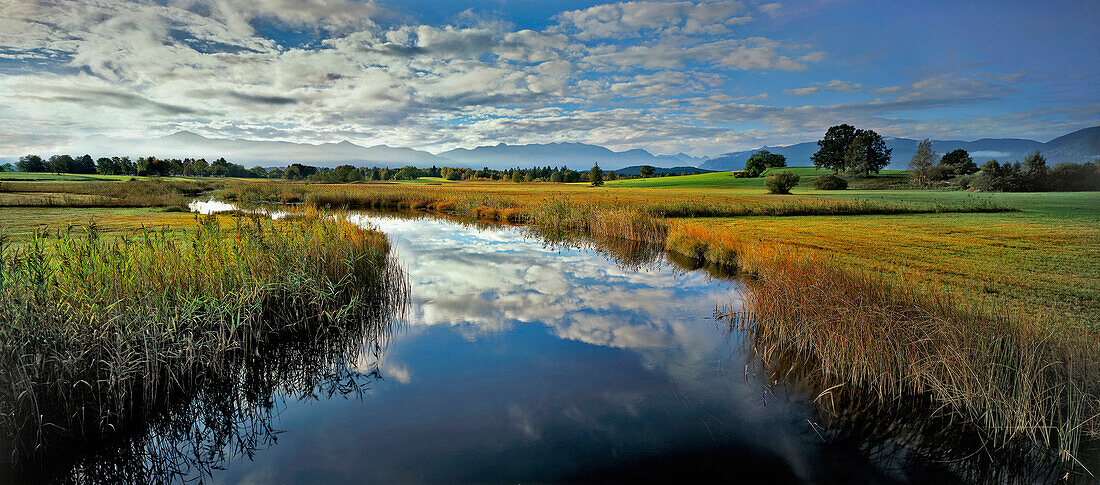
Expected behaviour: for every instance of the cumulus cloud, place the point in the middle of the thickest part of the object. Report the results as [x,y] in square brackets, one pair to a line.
[632,19]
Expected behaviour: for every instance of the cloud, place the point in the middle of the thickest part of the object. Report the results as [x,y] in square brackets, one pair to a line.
[91,98]
[801,91]
[666,76]
[633,19]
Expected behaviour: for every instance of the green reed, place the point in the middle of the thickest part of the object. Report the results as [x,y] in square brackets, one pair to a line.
[98,333]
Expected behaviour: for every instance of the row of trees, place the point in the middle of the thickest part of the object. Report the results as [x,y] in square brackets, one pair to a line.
[349,173]
[956,169]
[142,166]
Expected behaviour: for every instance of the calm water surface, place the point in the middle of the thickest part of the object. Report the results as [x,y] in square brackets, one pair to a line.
[521,361]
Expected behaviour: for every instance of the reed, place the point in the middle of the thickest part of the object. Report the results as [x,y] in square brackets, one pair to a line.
[99,334]
[130,193]
[1011,376]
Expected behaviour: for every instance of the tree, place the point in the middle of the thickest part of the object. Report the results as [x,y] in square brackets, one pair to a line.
[407,173]
[557,177]
[1035,172]
[106,166]
[83,164]
[782,181]
[595,176]
[646,171]
[833,147]
[867,153]
[922,162]
[61,163]
[761,161]
[957,162]
[31,163]
[7,167]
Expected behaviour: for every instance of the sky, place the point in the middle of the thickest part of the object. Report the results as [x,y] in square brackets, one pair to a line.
[703,78]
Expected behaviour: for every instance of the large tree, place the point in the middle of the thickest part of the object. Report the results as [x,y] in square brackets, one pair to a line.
[867,153]
[61,163]
[833,147]
[761,161]
[922,163]
[646,171]
[959,162]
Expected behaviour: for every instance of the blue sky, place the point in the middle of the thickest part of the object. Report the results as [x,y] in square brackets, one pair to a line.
[697,77]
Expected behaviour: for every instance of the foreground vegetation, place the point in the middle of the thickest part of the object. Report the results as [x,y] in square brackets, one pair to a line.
[101,334]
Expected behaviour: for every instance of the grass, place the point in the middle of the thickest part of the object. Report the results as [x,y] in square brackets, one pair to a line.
[1014,377]
[102,193]
[100,333]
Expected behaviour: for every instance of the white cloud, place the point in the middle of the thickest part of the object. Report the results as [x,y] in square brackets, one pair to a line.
[633,19]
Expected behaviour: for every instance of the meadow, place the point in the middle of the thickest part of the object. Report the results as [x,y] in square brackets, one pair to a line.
[987,303]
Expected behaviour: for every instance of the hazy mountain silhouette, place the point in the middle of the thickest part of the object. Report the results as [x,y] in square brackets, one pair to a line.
[574,155]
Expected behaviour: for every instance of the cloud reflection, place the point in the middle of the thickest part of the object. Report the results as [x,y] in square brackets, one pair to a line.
[486,281]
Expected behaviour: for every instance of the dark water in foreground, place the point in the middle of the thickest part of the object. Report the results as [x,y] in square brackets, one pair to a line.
[522,361]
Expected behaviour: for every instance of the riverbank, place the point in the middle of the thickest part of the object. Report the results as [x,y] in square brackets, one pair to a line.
[102,333]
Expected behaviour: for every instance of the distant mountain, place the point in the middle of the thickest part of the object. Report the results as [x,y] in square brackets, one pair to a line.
[633,170]
[573,155]
[187,144]
[1077,147]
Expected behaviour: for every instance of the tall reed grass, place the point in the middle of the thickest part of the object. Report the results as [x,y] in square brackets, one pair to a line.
[1015,376]
[100,334]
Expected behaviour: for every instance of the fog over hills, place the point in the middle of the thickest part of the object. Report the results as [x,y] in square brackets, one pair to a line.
[1077,147]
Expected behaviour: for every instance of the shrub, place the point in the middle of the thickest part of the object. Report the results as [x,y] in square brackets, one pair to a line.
[781,182]
[830,182]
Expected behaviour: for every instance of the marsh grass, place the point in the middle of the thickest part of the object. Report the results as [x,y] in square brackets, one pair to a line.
[554,209]
[100,334]
[1012,377]
[129,193]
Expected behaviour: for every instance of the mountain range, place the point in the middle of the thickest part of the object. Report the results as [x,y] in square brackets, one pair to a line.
[272,153]
[1079,146]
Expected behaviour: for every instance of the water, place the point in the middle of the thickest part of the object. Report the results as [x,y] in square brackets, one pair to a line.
[518,360]
[522,361]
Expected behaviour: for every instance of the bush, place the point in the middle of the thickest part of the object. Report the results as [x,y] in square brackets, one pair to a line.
[830,182]
[781,182]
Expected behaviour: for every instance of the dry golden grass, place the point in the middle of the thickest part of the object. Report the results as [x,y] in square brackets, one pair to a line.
[1014,377]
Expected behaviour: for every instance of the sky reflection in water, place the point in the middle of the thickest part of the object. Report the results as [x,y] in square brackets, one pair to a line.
[523,362]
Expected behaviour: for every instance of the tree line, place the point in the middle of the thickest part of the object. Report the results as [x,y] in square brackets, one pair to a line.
[146,166]
[956,169]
